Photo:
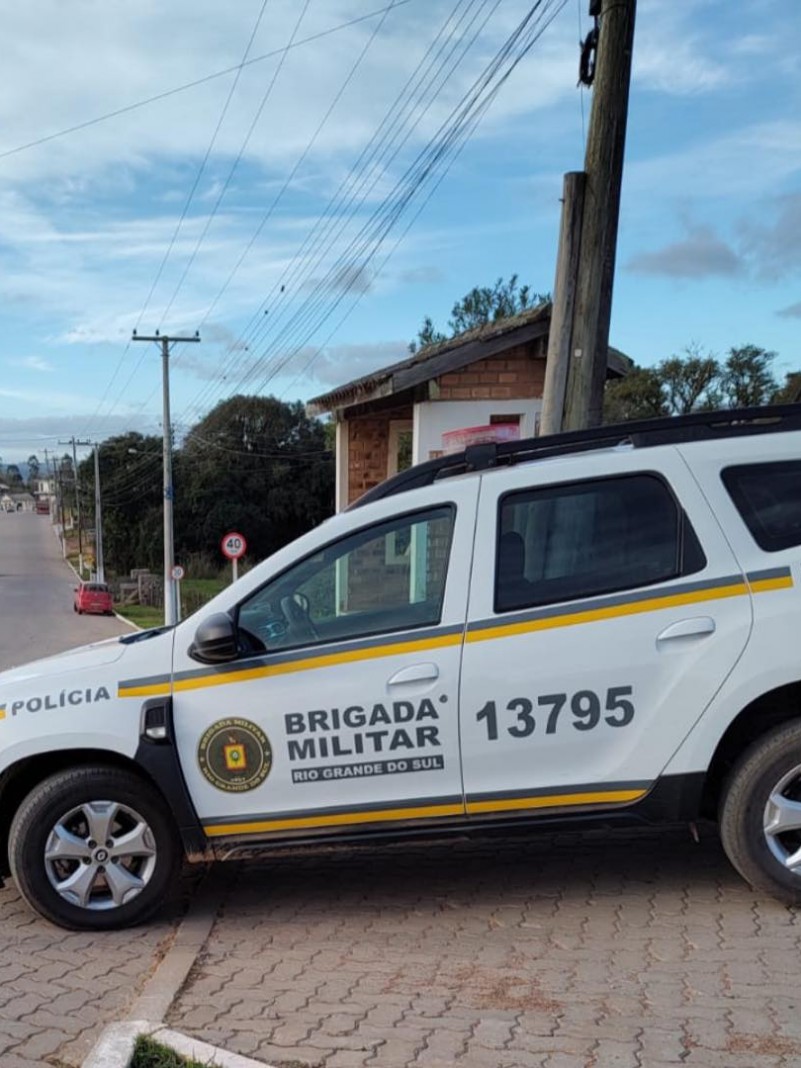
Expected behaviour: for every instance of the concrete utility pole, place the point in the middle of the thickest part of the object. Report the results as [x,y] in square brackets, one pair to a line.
[74,442]
[99,568]
[560,334]
[583,294]
[170,602]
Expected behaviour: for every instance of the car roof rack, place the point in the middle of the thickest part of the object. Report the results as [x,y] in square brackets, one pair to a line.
[671,430]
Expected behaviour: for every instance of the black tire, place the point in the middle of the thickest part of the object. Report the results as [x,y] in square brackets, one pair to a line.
[60,798]
[773,760]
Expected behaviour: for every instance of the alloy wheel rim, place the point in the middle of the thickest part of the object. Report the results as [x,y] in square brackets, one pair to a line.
[100,855]
[781,821]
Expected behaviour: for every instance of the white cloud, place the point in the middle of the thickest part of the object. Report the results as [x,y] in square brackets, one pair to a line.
[31,363]
[745,162]
[702,254]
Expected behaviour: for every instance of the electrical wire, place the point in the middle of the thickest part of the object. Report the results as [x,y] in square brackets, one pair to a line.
[235,164]
[280,52]
[475,122]
[421,91]
[86,124]
[375,231]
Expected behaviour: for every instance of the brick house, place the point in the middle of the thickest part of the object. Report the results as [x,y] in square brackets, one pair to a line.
[413,410]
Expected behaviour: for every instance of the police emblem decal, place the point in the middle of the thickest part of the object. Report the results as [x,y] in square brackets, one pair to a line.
[235,755]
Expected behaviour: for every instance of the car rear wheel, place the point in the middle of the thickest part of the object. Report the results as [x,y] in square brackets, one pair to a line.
[94,848]
[760,814]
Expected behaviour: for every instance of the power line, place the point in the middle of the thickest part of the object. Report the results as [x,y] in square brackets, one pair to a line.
[281,52]
[374,232]
[381,150]
[205,159]
[193,84]
[235,165]
[479,115]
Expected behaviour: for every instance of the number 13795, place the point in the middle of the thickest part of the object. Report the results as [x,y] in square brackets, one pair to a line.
[585,710]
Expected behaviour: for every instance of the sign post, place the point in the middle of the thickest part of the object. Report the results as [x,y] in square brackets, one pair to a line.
[177,574]
[234,546]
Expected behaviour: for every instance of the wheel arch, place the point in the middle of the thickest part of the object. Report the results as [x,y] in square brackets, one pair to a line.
[769,710]
[20,778]
[155,764]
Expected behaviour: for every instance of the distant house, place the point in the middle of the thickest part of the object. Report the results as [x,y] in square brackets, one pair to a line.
[486,382]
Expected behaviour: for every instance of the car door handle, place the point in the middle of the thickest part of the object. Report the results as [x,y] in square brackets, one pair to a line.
[697,627]
[415,673]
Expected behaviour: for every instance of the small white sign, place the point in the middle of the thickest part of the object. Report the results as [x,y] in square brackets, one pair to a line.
[177,573]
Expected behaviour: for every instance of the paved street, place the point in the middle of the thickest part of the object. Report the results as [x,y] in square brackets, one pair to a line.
[36,616]
[592,951]
[600,950]
[57,990]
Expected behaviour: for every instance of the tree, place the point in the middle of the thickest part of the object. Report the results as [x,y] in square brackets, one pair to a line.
[639,395]
[483,304]
[790,392]
[33,467]
[14,475]
[690,382]
[696,381]
[746,378]
[257,465]
[132,498]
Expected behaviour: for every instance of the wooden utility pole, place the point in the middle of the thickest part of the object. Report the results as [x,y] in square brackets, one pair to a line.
[587,342]
[170,599]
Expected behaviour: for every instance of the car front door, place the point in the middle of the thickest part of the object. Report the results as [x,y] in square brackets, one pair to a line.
[342,712]
[608,611]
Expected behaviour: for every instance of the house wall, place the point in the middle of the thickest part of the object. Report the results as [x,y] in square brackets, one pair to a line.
[368,448]
[508,384]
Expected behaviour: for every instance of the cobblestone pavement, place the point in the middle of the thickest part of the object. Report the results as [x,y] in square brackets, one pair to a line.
[608,950]
[58,989]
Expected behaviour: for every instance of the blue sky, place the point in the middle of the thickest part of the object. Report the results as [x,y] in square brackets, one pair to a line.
[710,231]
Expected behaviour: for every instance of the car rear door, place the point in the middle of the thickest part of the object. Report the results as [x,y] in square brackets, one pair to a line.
[606,610]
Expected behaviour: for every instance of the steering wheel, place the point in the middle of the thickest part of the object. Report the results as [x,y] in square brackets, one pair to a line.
[296,612]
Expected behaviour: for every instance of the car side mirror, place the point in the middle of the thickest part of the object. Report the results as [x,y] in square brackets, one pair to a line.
[215,640]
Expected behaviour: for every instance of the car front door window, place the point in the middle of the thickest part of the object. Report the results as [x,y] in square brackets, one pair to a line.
[388,577]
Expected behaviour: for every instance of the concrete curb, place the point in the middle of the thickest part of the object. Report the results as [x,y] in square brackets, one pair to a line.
[115,1046]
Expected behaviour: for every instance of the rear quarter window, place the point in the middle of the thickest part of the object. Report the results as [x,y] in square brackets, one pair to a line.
[768,497]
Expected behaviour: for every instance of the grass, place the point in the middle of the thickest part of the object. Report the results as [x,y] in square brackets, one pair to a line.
[151,1054]
[194,593]
[142,615]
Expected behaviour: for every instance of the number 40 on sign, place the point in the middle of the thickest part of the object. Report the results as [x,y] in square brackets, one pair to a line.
[234,546]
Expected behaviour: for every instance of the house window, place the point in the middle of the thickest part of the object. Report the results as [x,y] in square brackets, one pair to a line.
[399,451]
[399,458]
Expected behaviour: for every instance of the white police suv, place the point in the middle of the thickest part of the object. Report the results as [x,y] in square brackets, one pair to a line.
[594,626]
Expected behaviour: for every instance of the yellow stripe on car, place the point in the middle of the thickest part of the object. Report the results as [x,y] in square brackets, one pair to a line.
[497,805]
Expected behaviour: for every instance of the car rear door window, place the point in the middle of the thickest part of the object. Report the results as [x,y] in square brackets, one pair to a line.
[768,497]
[559,543]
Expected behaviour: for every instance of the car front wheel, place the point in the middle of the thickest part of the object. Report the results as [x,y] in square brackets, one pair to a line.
[94,848]
[760,814]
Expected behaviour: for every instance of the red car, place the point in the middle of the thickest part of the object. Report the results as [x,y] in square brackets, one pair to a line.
[93,597]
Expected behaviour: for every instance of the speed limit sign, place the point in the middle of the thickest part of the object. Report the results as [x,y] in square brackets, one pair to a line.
[233,545]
